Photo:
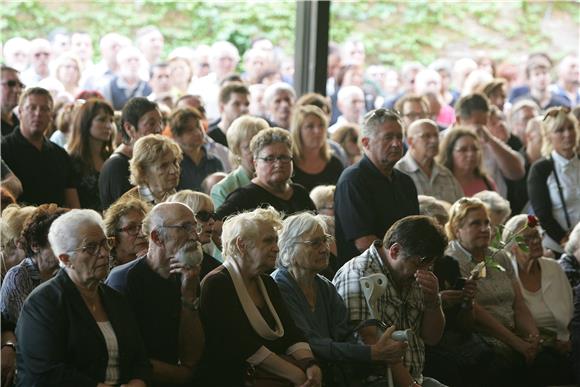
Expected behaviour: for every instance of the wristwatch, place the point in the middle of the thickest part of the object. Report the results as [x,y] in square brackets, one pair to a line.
[9,344]
[193,306]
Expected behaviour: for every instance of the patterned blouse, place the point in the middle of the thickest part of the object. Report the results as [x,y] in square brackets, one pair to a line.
[18,283]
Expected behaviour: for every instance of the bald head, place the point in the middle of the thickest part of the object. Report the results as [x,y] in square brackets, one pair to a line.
[164,214]
[423,140]
[417,126]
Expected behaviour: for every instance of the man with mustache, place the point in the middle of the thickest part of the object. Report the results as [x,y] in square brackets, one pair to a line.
[430,177]
[164,303]
[371,195]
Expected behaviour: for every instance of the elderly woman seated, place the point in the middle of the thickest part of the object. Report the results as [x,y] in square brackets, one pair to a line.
[570,260]
[548,296]
[323,198]
[123,221]
[74,330]
[498,208]
[202,207]
[249,333]
[272,151]
[438,209]
[239,135]
[316,306]
[154,169]
[11,251]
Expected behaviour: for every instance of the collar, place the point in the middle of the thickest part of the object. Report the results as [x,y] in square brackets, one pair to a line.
[563,162]
[260,325]
[408,163]
[146,195]
[20,138]
[365,162]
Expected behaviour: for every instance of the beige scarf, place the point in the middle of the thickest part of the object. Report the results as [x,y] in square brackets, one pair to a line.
[254,316]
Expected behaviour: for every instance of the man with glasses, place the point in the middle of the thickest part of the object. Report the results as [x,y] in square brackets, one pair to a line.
[430,177]
[44,168]
[411,299]
[11,89]
[165,305]
[371,195]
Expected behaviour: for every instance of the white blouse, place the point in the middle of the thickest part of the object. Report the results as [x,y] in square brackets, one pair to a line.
[112,373]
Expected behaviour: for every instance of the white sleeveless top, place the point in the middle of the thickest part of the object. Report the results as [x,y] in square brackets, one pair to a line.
[112,373]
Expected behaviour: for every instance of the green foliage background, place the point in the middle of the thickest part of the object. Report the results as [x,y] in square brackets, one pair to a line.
[393,31]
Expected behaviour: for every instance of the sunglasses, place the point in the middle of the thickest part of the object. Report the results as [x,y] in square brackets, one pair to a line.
[13,83]
[205,216]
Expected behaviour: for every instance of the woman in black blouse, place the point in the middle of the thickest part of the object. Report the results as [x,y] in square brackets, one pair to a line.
[272,150]
[249,332]
[314,164]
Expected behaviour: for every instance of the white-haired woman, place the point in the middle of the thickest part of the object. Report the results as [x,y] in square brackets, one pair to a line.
[155,169]
[272,151]
[554,181]
[570,260]
[205,216]
[498,208]
[548,296]
[278,99]
[317,308]
[239,136]
[249,332]
[73,330]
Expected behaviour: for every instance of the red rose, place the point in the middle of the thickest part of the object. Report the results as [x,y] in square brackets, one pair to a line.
[532,221]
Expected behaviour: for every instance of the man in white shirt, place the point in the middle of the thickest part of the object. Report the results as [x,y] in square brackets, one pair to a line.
[351,104]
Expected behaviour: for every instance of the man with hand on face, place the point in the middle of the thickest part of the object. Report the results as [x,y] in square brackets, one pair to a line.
[430,177]
[164,302]
[411,300]
[371,195]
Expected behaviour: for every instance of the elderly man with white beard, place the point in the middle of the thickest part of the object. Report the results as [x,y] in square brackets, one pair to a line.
[430,177]
[162,289]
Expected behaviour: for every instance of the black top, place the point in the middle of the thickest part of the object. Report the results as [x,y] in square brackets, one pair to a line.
[328,176]
[253,196]
[540,198]
[8,128]
[367,203]
[60,343]
[45,174]
[88,185]
[216,133]
[156,302]
[5,169]
[517,190]
[229,336]
[207,265]
[575,334]
[114,179]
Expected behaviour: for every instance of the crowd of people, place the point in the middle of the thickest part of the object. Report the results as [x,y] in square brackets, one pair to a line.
[169,221]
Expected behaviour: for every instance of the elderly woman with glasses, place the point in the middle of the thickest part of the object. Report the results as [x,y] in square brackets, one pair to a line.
[155,169]
[554,180]
[74,330]
[250,336]
[548,296]
[317,308]
[202,207]
[272,151]
[501,314]
[123,222]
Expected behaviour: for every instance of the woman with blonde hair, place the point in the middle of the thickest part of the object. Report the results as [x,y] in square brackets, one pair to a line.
[67,70]
[554,180]
[239,136]
[461,153]
[154,168]
[314,163]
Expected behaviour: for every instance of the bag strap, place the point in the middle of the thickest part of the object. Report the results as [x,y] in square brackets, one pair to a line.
[561,194]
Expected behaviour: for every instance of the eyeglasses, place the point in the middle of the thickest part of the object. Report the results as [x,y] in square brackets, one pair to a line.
[318,242]
[132,230]
[13,83]
[94,248]
[187,227]
[467,149]
[424,261]
[554,112]
[39,54]
[204,216]
[284,159]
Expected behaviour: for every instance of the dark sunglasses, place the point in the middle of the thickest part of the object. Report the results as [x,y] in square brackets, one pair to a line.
[204,216]
[13,83]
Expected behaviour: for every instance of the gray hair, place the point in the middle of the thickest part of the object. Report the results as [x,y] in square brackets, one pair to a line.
[375,118]
[276,88]
[495,203]
[430,206]
[323,195]
[268,137]
[245,226]
[192,199]
[515,224]
[573,241]
[293,228]
[63,234]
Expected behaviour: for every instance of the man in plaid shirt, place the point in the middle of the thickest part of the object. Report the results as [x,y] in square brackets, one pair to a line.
[411,300]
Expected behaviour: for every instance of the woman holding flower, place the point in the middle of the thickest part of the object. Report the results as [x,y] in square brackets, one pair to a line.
[547,294]
[501,315]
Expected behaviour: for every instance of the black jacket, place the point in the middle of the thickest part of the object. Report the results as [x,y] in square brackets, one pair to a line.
[60,343]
